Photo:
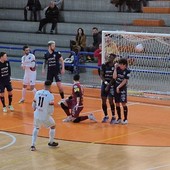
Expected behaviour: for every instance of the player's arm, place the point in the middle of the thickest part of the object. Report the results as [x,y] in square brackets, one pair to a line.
[9,69]
[115,71]
[51,106]
[34,104]
[62,65]
[44,64]
[102,72]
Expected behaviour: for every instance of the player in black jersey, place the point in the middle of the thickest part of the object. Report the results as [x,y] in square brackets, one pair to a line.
[5,81]
[121,75]
[106,75]
[55,66]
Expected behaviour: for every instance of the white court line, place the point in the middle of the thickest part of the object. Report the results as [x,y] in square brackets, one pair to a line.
[11,143]
[158,167]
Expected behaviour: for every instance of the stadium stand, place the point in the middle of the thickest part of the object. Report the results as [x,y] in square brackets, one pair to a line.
[86,14]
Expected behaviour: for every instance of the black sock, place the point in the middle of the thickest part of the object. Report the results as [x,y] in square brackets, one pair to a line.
[113,109]
[125,108]
[118,112]
[10,99]
[66,109]
[62,95]
[3,101]
[81,118]
[104,107]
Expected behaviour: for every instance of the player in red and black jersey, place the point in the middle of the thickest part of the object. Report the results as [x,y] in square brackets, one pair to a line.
[75,104]
[55,66]
[121,75]
[5,81]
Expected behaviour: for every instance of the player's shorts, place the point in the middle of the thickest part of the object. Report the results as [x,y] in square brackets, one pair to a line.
[110,93]
[29,79]
[46,123]
[121,97]
[6,85]
[51,76]
[71,105]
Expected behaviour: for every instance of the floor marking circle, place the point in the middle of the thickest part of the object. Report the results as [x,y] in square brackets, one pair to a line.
[11,143]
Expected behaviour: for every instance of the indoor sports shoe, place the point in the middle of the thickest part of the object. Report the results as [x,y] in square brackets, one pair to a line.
[21,101]
[91,117]
[125,122]
[61,101]
[68,119]
[4,109]
[113,120]
[33,148]
[105,119]
[54,144]
[11,108]
[119,121]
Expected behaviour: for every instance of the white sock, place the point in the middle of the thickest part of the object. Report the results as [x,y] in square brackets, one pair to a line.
[34,136]
[23,93]
[51,135]
[34,91]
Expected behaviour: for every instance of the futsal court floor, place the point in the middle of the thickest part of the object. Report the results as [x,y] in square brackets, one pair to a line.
[143,144]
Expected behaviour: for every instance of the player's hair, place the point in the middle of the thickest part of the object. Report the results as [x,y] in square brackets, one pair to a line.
[95,28]
[24,47]
[76,77]
[123,61]
[50,43]
[47,83]
[2,54]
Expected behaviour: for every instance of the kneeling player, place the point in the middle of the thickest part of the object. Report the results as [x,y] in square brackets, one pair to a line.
[75,104]
[121,75]
[43,105]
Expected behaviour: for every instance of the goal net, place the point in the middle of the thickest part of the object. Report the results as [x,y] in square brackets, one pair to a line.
[148,56]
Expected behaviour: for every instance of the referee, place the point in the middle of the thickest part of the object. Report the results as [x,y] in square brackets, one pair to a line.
[5,81]
[55,66]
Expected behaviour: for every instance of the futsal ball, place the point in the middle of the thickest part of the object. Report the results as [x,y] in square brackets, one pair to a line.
[139,48]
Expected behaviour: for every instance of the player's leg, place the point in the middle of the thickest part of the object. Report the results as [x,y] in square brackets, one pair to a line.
[76,113]
[32,83]
[51,123]
[10,95]
[37,125]
[125,111]
[123,102]
[24,88]
[2,88]
[112,106]
[104,104]
[59,85]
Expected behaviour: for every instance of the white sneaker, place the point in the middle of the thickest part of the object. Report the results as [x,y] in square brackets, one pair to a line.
[68,119]
[119,121]
[21,101]
[125,122]
[61,101]
[4,109]
[91,117]
[11,107]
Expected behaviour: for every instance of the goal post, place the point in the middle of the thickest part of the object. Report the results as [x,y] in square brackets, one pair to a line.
[148,55]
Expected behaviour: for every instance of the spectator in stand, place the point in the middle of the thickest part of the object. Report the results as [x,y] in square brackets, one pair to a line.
[80,39]
[34,6]
[51,16]
[97,39]
[98,55]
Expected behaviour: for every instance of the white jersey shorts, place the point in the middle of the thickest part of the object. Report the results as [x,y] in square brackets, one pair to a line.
[29,79]
[46,123]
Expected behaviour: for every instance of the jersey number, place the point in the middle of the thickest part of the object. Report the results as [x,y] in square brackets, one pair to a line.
[40,102]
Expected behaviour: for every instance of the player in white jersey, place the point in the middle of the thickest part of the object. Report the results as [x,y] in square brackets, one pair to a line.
[29,66]
[43,105]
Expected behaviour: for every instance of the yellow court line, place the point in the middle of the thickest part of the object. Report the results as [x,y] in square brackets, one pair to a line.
[116,137]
